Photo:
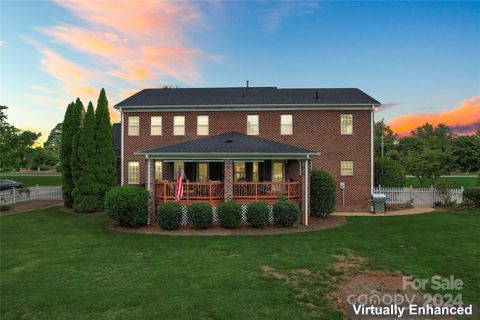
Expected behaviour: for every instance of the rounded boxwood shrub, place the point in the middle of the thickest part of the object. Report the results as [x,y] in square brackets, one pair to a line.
[200,215]
[229,214]
[169,215]
[322,193]
[285,213]
[257,214]
[127,205]
[473,195]
[389,173]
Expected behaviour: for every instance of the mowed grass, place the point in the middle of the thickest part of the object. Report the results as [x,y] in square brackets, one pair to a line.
[454,181]
[63,266]
[31,180]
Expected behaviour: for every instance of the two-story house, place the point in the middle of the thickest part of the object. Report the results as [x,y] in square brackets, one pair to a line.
[248,143]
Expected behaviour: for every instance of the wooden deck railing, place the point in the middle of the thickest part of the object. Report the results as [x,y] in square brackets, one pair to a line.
[211,192]
[254,191]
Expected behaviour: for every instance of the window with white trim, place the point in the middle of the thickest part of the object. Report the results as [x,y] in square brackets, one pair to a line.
[346,168]
[158,170]
[202,125]
[133,172]
[133,125]
[240,171]
[252,125]
[286,124]
[278,171]
[179,125]
[202,172]
[346,123]
[156,125]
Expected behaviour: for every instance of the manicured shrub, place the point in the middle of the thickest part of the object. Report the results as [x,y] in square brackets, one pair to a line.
[389,173]
[473,195]
[4,207]
[127,205]
[285,213]
[170,215]
[257,214]
[322,193]
[229,214]
[200,215]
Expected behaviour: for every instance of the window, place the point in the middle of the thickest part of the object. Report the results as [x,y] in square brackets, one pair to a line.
[286,124]
[254,171]
[156,125]
[175,168]
[240,173]
[277,171]
[158,170]
[133,172]
[346,123]
[252,125]
[133,125]
[202,172]
[346,168]
[179,125]
[202,125]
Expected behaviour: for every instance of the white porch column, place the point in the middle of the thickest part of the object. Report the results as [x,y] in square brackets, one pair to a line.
[306,188]
[149,187]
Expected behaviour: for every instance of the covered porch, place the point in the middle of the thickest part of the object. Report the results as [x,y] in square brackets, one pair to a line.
[230,166]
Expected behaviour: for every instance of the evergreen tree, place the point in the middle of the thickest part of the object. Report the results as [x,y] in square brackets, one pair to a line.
[78,114]
[105,160]
[65,156]
[85,193]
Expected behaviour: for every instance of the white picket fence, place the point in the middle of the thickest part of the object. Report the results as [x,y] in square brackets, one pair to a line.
[420,197]
[15,195]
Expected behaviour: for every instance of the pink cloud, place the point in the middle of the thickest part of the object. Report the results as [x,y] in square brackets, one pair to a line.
[465,116]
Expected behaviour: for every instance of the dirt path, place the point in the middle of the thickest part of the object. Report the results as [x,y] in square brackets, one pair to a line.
[30,205]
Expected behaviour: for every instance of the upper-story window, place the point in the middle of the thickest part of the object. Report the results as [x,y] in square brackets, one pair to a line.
[286,124]
[179,125]
[346,122]
[156,125]
[202,125]
[252,125]
[133,125]
[133,172]
[346,168]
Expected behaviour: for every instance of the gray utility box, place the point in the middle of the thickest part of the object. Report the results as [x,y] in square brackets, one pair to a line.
[379,203]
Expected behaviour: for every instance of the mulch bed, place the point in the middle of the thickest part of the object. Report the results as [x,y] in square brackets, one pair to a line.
[29,206]
[243,230]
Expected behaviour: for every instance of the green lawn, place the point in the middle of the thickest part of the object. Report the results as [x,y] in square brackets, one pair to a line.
[62,266]
[32,179]
[454,181]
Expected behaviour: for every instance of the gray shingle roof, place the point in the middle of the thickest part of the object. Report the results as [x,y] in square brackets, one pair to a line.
[228,143]
[246,96]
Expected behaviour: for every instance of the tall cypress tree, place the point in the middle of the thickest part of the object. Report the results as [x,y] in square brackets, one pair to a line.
[105,159]
[77,114]
[65,156]
[85,193]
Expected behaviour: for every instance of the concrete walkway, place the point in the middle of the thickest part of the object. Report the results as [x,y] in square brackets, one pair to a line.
[415,210]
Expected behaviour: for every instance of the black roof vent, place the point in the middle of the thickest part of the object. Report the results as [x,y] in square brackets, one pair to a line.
[316,95]
[228,141]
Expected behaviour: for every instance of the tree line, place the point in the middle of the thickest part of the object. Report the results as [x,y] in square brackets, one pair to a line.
[87,155]
[429,152]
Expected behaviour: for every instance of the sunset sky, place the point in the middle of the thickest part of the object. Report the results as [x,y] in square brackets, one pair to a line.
[421,59]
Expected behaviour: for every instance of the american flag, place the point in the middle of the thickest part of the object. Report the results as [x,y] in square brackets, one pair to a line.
[179,192]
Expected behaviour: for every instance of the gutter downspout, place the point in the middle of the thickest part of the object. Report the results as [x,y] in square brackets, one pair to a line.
[306,204]
[122,138]
[372,168]
[149,186]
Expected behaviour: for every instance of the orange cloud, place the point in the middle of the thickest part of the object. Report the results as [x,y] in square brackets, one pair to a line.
[137,41]
[466,115]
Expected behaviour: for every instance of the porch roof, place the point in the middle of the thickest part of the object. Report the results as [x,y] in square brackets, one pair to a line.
[231,145]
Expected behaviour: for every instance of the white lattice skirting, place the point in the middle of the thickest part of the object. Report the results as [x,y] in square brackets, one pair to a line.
[215,215]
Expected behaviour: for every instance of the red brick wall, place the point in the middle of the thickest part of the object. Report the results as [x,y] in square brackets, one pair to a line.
[317,130]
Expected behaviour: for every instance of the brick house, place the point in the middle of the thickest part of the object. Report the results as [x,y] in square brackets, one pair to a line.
[248,143]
